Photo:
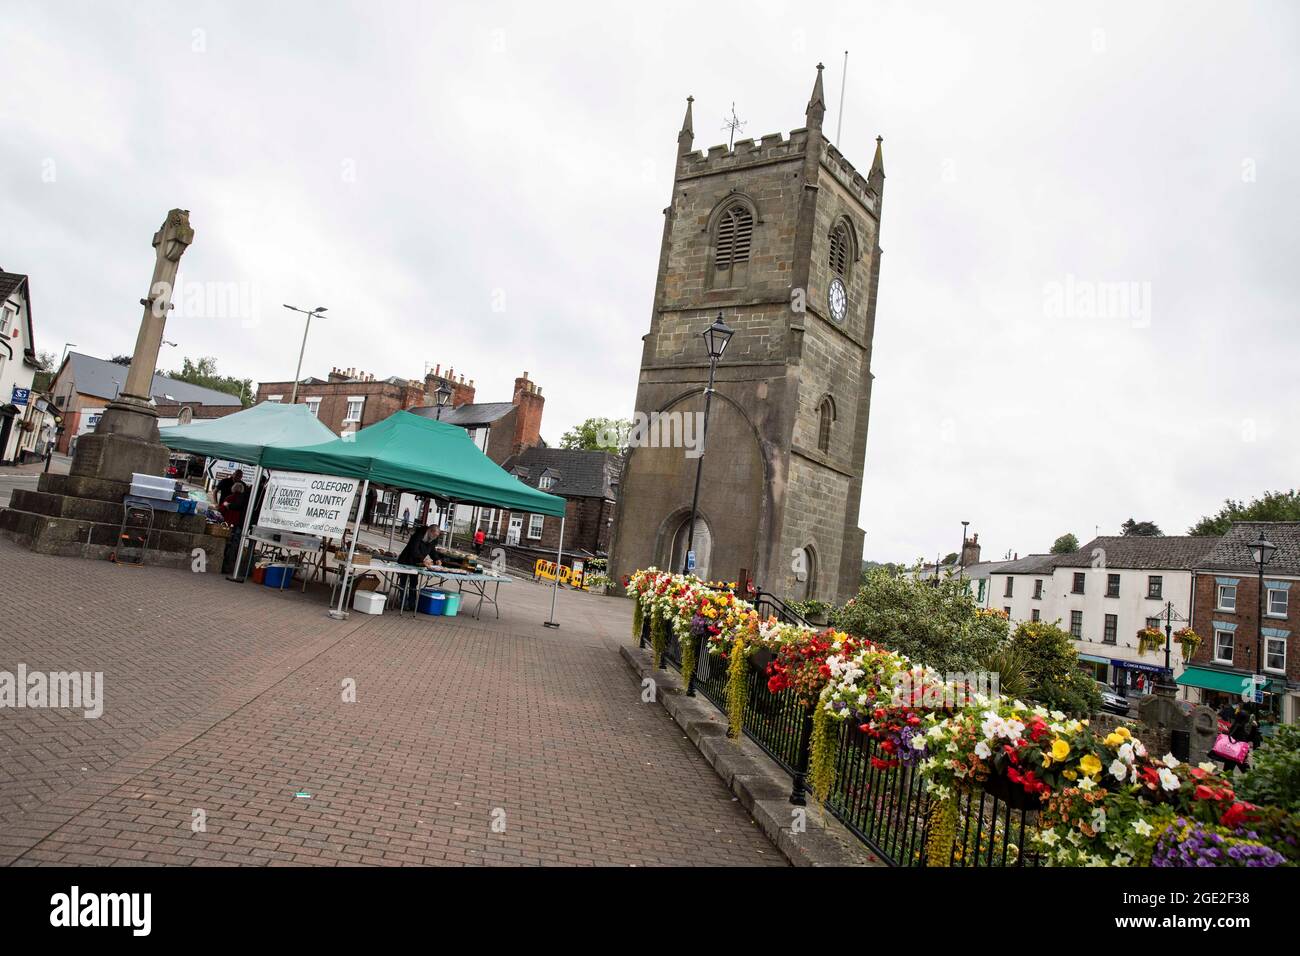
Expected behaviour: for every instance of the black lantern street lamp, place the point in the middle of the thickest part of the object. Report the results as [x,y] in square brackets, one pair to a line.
[1261,552]
[961,555]
[443,395]
[716,337]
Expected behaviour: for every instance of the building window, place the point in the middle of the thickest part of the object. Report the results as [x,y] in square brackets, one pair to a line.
[274,399]
[808,577]
[1112,585]
[1078,582]
[1038,590]
[313,406]
[535,526]
[1010,586]
[825,416]
[1227,597]
[1007,612]
[1275,654]
[356,405]
[979,593]
[1076,625]
[840,251]
[1223,647]
[1111,629]
[1277,602]
[1155,586]
[1035,615]
[1153,623]
[735,232]
[702,545]
[546,482]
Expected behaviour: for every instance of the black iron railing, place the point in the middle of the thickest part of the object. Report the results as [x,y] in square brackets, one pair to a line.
[886,808]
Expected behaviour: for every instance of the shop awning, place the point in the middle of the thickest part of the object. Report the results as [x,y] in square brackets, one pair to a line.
[422,455]
[1229,682]
[244,435]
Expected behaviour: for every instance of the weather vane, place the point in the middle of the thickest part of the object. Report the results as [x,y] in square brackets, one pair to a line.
[732,124]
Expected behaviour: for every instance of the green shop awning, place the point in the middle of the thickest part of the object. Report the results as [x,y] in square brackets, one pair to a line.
[1094,660]
[421,455]
[1229,682]
[244,435]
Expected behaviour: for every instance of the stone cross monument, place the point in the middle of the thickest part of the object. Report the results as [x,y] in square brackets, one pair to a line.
[126,438]
[80,514]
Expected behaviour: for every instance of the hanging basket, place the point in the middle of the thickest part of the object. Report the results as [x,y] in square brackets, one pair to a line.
[1188,640]
[1149,639]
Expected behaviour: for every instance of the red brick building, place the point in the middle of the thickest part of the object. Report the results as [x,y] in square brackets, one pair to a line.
[1226,615]
[348,400]
[588,480]
[500,429]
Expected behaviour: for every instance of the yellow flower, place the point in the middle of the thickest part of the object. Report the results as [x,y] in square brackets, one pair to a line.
[1047,760]
[1090,765]
[1113,740]
[1060,749]
[1123,732]
[1069,774]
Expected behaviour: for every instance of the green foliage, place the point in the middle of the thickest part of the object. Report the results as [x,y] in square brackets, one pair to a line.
[46,363]
[1140,529]
[598,434]
[812,610]
[935,621]
[1274,775]
[204,373]
[121,360]
[1065,544]
[658,636]
[950,557]
[1051,669]
[1010,664]
[1274,506]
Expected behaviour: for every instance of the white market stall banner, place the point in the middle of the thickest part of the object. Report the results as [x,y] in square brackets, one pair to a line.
[308,504]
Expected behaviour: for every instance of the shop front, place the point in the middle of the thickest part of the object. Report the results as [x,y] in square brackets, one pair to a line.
[1133,679]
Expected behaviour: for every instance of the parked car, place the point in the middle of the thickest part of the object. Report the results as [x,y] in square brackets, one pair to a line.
[1112,700]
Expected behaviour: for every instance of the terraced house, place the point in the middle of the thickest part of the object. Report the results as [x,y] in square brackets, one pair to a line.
[1247,629]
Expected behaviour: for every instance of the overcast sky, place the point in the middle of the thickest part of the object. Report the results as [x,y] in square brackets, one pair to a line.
[1088,302]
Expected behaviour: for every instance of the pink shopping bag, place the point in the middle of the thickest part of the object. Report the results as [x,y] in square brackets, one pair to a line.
[1227,748]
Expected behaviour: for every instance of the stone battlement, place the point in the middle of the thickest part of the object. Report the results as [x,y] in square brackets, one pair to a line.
[773,147]
[849,177]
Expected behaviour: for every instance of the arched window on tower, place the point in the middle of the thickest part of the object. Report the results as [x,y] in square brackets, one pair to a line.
[841,250]
[733,235]
[825,418]
[805,574]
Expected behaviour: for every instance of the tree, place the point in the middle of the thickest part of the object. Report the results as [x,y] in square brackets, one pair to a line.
[950,558]
[204,373]
[121,360]
[1274,775]
[44,377]
[598,434]
[934,622]
[1140,529]
[1274,506]
[1051,669]
[1065,544]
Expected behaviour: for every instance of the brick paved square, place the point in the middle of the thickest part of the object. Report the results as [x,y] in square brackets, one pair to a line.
[228,700]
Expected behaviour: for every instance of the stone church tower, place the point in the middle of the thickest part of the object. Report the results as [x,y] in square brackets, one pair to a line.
[780,236]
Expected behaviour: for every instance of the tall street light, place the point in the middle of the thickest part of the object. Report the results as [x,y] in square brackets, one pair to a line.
[1261,552]
[961,555]
[443,394]
[318,313]
[716,337]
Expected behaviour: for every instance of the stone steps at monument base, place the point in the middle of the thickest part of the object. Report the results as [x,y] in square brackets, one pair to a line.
[84,538]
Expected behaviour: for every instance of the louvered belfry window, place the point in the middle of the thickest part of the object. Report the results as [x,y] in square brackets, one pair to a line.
[839,255]
[735,234]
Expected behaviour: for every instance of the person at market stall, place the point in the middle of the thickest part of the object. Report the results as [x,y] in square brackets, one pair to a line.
[420,550]
[479,538]
[226,483]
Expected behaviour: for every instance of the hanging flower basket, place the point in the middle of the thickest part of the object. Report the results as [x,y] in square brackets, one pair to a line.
[1189,640]
[997,785]
[1149,639]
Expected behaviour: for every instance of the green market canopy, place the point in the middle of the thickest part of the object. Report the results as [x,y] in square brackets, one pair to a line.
[1229,682]
[417,454]
[244,436]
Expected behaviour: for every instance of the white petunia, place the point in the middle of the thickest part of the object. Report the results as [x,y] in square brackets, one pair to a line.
[982,750]
[1168,779]
[1119,769]
[1126,753]
[1142,827]
[1086,784]
[1207,766]
[1170,761]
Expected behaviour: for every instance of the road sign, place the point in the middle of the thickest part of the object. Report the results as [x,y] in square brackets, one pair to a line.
[21,396]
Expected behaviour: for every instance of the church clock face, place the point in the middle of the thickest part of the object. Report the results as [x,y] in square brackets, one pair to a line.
[837,297]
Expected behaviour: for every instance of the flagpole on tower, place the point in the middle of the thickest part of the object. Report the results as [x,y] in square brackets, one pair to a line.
[844,78]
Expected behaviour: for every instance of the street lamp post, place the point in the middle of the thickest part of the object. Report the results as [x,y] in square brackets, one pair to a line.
[716,337]
[961,555]
[318,312]
[1261,552]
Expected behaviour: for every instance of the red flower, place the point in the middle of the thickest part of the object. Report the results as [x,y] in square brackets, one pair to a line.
[1237,814]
